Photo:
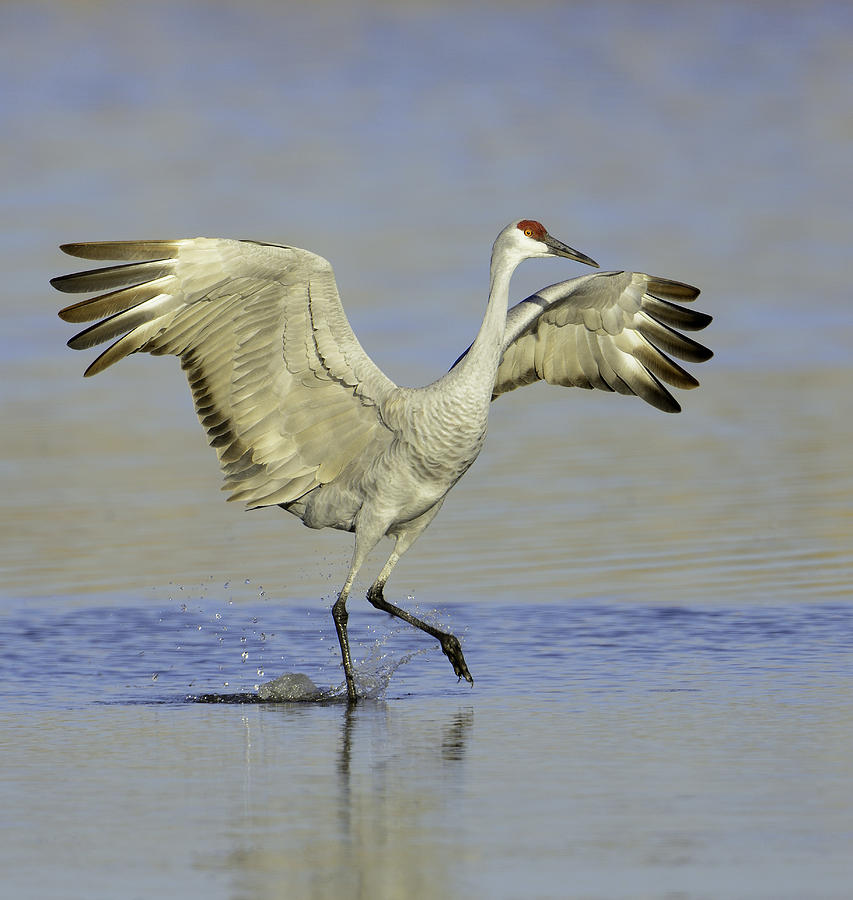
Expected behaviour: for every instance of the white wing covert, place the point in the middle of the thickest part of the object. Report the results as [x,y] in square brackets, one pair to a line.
[609,330]
[284,390]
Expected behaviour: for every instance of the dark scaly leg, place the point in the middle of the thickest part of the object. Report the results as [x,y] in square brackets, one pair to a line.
[449,643]
[340,615]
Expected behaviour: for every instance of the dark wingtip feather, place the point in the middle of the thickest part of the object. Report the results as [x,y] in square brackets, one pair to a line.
[94,368]
[128,274]
[700,353]
[114,302]
[655,394]
[63,283]
[667,289]
[672,407]
[130,250]
[674,315]
[672,341]
[651,389]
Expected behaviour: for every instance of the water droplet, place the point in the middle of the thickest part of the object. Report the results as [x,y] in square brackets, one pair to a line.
[260,671]
[248,581]
[227,585]
[155,676]
[245,655]
[219,615]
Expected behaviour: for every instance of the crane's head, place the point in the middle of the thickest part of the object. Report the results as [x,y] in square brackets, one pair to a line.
[527,238]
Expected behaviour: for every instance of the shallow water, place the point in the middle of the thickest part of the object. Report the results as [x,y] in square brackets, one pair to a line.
[656,609]
[605,750]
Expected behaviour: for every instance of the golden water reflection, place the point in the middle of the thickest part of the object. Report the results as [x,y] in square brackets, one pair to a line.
[745,497]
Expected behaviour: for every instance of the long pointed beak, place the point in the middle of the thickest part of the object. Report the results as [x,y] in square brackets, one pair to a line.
[558,248]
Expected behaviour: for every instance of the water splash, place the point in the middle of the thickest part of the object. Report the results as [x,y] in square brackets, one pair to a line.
[373,676]
[292,687]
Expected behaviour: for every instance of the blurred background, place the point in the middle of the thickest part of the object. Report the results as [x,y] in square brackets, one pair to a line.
[709,143]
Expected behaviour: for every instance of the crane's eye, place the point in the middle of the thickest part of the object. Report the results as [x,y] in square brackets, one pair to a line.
[532,229]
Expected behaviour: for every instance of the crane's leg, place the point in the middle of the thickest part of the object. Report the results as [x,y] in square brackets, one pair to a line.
[340,615]
[449,643]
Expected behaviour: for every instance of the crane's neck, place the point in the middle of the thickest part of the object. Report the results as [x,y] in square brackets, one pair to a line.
[485,353]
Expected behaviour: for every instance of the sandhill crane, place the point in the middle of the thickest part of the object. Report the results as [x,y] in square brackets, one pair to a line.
[303,419]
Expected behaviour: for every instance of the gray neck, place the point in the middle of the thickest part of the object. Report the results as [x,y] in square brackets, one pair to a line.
[485,353]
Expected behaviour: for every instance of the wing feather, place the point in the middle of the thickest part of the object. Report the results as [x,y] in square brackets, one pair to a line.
[612,331]
[113,277]
[123,322]
[114,302]
[282,387]
[137,250]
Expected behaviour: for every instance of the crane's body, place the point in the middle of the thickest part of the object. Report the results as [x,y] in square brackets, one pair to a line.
[409,467]
[301,417]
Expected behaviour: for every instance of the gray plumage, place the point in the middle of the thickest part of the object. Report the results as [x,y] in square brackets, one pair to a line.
[302,418]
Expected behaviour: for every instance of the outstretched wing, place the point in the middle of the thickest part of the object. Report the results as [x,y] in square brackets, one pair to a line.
[610,330]
[287,395]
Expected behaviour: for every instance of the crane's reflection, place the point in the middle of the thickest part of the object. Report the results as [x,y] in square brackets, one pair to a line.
[340,799]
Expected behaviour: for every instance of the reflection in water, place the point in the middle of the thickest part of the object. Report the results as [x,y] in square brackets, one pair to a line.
[455,735]
[376,810]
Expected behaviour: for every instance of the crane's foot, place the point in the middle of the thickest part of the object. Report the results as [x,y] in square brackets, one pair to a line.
[449,643]
[453,651]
